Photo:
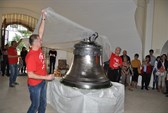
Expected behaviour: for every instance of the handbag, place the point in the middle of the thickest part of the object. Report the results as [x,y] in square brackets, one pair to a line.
[158,73]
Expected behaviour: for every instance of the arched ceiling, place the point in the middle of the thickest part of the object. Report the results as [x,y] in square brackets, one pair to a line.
[16,18]
[112,18]
[165,48]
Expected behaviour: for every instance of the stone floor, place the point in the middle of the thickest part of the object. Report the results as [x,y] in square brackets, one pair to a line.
[16,100]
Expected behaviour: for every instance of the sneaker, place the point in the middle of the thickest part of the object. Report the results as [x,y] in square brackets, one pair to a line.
[16,83]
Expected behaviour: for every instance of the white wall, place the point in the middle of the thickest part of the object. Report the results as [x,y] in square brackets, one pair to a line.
[160,25]
[112,18]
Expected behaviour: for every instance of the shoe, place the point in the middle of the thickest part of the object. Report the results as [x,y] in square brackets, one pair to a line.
[142,88]
[146,88]
[130,89]
[153,88]
[165,93]
[11,85]
[16,83]
[8,75]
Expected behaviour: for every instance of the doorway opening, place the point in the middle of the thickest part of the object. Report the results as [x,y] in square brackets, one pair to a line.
[16,32]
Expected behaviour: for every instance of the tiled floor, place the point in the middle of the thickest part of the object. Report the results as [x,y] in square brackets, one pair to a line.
[16,100]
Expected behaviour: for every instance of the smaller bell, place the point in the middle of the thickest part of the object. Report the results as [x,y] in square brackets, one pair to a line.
[86,70]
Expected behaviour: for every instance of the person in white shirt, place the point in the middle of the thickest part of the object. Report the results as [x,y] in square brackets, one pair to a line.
[155,69]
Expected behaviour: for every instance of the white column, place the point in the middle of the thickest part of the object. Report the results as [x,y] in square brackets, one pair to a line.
[149,26]
[149,31]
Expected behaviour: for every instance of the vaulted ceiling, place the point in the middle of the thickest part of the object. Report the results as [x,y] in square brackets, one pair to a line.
[112,18]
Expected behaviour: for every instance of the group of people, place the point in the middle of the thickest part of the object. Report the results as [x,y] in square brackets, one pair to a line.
[5,60]
[9,59]
[119,69]
[123,69]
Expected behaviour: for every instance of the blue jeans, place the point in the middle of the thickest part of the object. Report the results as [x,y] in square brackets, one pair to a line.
[155,79]
[38,98]
[13,73]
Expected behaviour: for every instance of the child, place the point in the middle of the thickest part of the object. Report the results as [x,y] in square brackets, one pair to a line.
[20,66]
[126,72]
[146,72]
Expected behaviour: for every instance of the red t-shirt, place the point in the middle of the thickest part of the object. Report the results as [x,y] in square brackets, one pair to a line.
[35,63]
[13,52]
[115,61]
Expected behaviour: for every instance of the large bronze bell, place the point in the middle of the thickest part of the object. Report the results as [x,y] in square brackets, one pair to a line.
[86,70]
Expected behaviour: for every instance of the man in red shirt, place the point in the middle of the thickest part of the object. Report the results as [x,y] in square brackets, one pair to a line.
[13,59]
[37,74]
[114,65]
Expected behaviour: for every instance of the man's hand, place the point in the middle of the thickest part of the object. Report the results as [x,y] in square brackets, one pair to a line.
[43,14]
[50,77]
[39,77]
[19,42]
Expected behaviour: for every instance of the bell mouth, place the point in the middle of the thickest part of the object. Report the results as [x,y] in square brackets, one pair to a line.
[86,85]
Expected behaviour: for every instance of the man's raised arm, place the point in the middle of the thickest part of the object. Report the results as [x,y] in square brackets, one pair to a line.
[19,42]
[42,24]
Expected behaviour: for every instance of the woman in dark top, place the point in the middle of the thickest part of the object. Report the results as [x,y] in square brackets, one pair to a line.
[23,56]
[165,63]
[53,55]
